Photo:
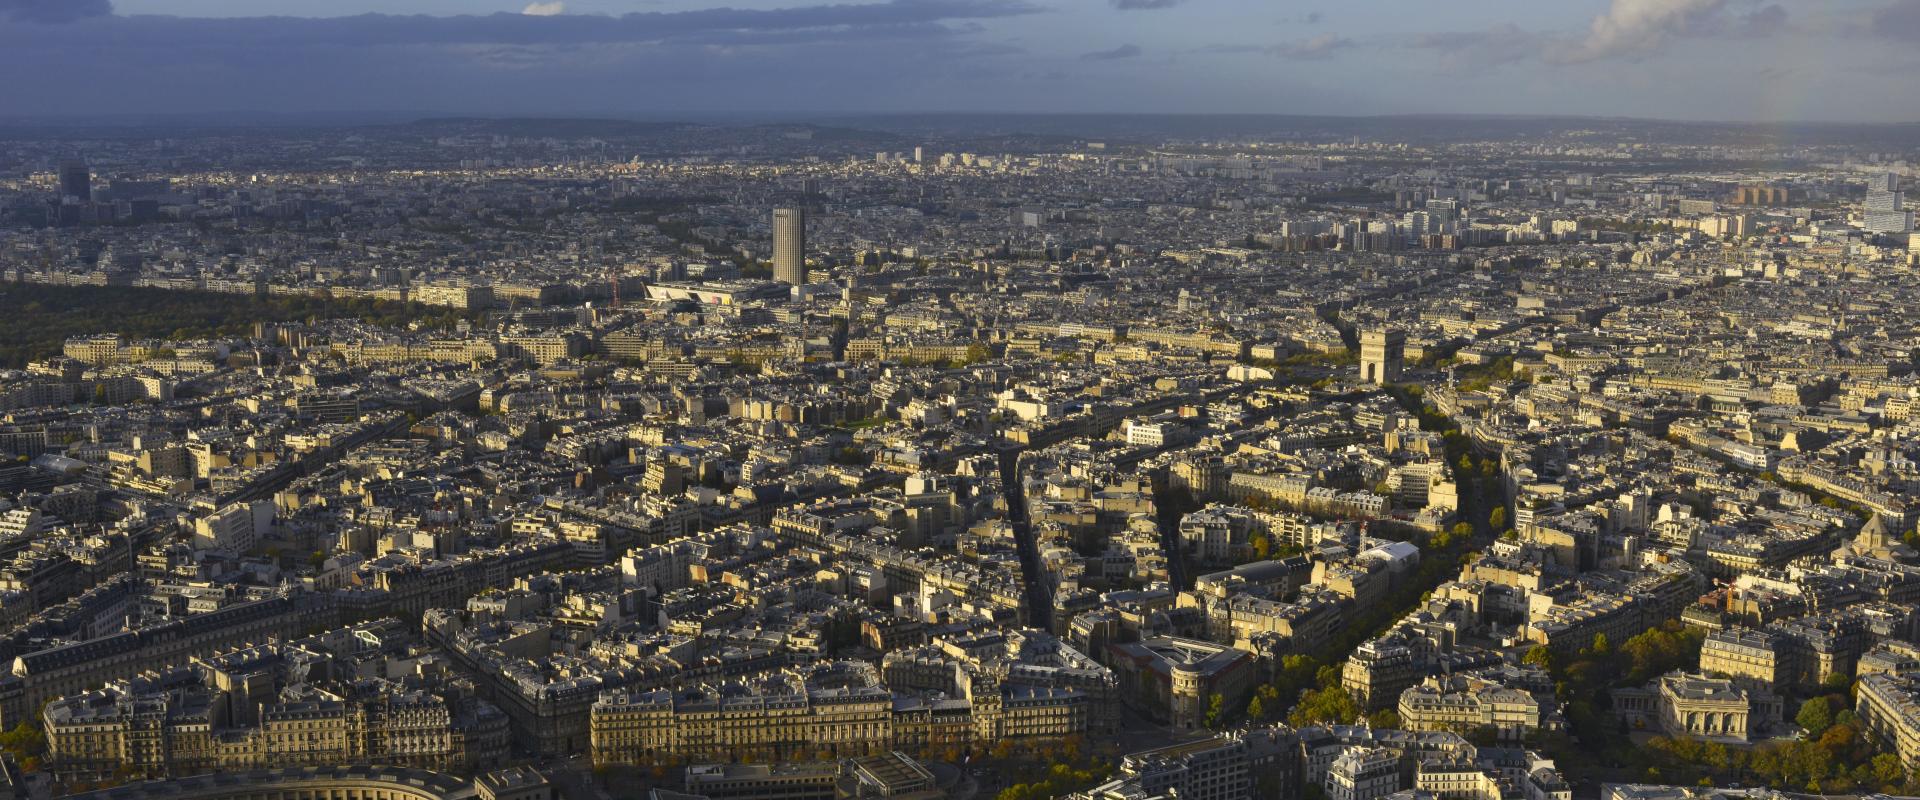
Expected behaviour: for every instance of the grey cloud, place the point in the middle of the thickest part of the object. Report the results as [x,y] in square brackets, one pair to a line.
[1145,5]
[852,35]
[1898,20]
[520,29]
[715,59]
[673,78]
[1502,45]
[1122,52]
[1322,46]
[1319,47]
[1639,27]
[1762,22]
[1628,29]
[50,11]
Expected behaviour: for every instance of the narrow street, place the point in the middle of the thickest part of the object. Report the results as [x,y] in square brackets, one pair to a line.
[1039,592]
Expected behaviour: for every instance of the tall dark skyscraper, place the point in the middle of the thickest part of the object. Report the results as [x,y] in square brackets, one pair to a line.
[75,179]
[790,245]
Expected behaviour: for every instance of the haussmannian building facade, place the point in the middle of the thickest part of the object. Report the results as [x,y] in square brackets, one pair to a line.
[826,710]
[1889,705]
[1466,706]
[155,727]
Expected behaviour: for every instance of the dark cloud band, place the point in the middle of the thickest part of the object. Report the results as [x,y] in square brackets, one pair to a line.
[493,29]
[53,11]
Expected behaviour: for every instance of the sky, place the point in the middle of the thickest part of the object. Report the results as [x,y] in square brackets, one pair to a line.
[1742,60]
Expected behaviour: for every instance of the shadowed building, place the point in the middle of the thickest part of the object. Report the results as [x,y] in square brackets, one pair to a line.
[76,180]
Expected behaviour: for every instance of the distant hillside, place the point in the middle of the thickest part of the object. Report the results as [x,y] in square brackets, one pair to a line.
[1409,128]
[557,127]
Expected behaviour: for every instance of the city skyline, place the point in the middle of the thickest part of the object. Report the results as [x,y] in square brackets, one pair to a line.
[1419,459]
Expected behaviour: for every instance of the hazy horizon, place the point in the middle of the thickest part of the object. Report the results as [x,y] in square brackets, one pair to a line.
[348,118]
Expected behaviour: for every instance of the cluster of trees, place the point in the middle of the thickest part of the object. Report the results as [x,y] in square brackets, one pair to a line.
[1322,700]
[1466,467]
[1461,532]
[1296,673]
[1050,770]
[1817,713]
[1480,377]
[1582,680]
[1651,653]
[40,318]
[676,219]
[1837,756]
[1060,780]
[1285,367]
[1307,691]
[977,353]
[1070,750]
[1339,358]
[1261,545]
[1326,703]
[1329,703]
[26,743]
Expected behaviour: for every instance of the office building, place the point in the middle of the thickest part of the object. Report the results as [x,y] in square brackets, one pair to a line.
[790,245]
[1885,210]
[76,180]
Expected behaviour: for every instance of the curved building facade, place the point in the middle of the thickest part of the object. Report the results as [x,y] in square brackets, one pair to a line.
[311,783]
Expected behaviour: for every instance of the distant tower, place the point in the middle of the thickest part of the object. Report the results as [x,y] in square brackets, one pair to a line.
[790,245]
[1886,207]
[1383,352]
[76,180]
